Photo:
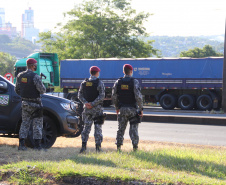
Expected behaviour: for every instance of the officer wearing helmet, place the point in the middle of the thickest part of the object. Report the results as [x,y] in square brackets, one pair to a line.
[91,94]
[29,86]
[127,99]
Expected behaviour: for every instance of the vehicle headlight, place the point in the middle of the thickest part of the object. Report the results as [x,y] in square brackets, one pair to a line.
[66,106]
[73,106]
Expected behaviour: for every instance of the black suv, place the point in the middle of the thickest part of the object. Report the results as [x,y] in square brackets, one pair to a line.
[60,116]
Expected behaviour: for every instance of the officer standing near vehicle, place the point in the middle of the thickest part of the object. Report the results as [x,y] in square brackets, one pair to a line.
[29,86]
[91,94]
[127,99]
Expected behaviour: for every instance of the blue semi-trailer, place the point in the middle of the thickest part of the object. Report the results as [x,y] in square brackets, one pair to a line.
[187,83]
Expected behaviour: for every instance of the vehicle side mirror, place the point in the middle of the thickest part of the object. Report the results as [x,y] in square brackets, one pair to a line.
[3,86]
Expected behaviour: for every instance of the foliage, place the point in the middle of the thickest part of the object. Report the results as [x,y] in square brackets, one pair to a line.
[100,29]
[18,46]
[153,163]
[172,46]
[167,166]
[4,39]
[7,62]
[207,51]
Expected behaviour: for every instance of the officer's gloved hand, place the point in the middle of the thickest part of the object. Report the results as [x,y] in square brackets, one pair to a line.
[88,106]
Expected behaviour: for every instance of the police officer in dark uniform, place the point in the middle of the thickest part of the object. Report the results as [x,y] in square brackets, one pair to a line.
[127,99]
[29,86]
[91,94]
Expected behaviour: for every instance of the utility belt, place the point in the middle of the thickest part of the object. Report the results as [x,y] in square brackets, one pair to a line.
[128,105]
[38,111]
[32,100]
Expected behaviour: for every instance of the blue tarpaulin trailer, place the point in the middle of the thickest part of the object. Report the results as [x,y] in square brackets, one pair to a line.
[174,82]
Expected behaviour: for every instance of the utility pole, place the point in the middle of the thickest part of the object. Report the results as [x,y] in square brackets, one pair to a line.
[224,76]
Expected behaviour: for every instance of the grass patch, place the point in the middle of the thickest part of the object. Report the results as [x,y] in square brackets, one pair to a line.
[155,162]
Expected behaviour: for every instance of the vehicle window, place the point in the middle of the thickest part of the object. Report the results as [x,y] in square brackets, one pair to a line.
[3,91]
[19,70]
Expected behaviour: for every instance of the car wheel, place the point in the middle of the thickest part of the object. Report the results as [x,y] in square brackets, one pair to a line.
[204,102]
[168,101]
[49,134]
[186,102]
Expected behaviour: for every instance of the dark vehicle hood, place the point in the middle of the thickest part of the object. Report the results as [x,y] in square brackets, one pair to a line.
[55,98]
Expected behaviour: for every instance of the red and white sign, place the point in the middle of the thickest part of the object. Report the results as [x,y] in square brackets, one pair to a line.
[9,77]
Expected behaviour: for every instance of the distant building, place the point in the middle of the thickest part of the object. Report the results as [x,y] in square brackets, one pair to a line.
[6,28]
[28,31]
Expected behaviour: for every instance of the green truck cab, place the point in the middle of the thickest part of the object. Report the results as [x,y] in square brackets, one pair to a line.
[47,66]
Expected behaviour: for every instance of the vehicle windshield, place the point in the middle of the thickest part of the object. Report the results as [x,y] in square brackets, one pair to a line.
[19,70]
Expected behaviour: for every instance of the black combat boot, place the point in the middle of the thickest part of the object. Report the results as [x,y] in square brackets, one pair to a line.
[135,147]
[119,148]
[22,144]
[37,144]
[83,149]
[98,148]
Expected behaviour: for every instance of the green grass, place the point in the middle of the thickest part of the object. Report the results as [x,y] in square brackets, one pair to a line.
[170,165]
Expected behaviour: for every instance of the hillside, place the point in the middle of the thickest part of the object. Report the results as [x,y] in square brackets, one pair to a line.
[172,46]
[17,47]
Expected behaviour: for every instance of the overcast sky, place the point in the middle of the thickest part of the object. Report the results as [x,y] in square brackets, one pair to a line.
[170,17]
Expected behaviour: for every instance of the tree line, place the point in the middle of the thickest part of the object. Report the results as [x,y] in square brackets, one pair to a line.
[111,28]
[96,29]
[172,46]
[7,62]
[18,47]
[100,29]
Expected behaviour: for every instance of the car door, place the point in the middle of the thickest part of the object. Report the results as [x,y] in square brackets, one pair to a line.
[5,94]
[9,105]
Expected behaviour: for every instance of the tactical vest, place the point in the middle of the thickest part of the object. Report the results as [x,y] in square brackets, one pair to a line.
[125,92]
[90,89]
[27,86]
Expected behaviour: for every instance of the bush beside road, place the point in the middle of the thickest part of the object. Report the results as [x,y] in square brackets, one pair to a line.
[155,162]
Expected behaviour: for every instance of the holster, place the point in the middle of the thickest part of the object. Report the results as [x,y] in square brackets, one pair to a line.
[100,119]
[38,112]
[136,119]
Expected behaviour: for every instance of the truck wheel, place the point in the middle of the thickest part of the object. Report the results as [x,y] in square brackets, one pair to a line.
[186,102]
[107,103]
[204,102]
[168,101]
[49,134]
[73,96]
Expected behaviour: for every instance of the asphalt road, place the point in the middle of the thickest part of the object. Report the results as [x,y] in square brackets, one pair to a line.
[179,133]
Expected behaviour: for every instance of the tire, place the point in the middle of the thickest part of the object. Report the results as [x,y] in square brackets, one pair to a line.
[107,103]
[49,134]
[168,101]
[73,97]
[204,102]
[186,102]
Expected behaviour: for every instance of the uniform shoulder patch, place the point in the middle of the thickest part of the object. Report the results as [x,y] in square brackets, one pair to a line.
[24,80]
